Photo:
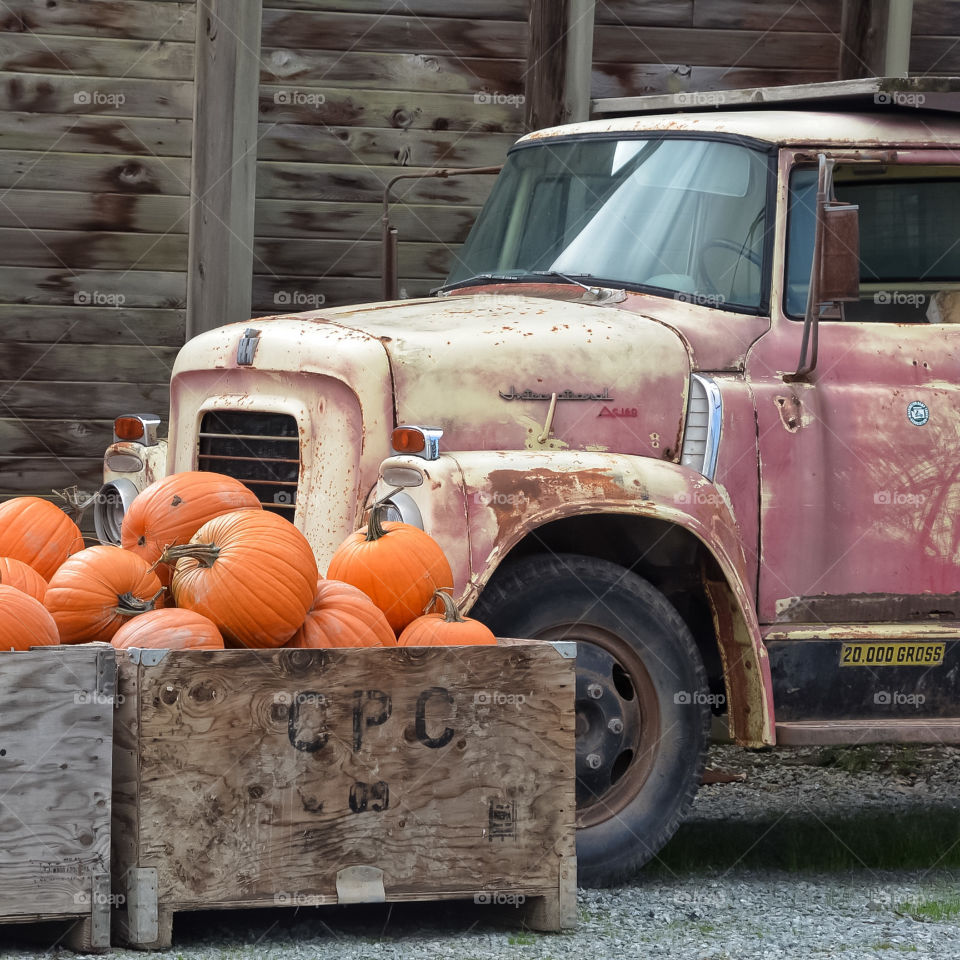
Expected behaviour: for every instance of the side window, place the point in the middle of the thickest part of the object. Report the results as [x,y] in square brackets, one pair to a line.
[909,245]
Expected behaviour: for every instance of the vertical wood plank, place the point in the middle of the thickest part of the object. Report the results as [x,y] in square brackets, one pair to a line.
[863,38]
[546,63]
[223,179]
[579,60]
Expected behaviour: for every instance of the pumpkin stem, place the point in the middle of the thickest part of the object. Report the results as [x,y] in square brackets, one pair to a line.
[204,553]
[375,528]
[450,612]
[129,605]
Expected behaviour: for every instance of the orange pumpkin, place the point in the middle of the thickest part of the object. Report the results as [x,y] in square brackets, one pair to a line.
[24,622]
[396,565]
[343,616]
[251,572]
[97,590]
[171,629]
[37,532]
[173,509]
[447,629]
[16,573]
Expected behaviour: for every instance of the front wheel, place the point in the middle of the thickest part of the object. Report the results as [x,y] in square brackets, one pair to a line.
[642,717]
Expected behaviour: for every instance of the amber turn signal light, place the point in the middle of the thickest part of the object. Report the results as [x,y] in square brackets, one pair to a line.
[128,428]
[418,441]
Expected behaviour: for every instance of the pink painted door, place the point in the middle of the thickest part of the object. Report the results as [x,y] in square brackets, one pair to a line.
[860,467]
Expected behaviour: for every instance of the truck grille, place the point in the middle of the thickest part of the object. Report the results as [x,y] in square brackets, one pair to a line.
[262,450]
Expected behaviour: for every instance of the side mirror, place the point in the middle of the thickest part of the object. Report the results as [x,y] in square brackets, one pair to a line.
[840,253]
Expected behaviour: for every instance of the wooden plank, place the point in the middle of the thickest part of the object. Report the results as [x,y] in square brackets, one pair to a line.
[274,294]
[103,288]
[642,13]
[68,134]
[546,60]
[639,79]
[37,476]
[936,55]
[358,258]
[55,438]
[224,164]
[390,71]
[93,57]
[818,16]
[387,33]
[26,398]
[863,35]
[103,363]
[35,170]
[40,324]
[358,184]
[114,212]
[360,221]
[745,48]
[578,60]
[495,112]
[109,96]
[141,19]
[444,793]
[418,148]
[936,18]
[56,730]
[92,250]
[475,9]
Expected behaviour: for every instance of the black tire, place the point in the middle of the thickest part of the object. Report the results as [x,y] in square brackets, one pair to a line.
[637,662]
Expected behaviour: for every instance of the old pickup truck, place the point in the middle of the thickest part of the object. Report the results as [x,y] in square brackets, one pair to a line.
[689,397]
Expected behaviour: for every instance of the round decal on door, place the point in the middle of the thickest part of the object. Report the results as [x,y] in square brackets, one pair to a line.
[917,413]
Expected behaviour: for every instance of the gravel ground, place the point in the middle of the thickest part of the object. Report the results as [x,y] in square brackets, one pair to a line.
[726,899]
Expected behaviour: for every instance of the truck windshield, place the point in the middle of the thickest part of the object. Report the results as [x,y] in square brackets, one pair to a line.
[683,216]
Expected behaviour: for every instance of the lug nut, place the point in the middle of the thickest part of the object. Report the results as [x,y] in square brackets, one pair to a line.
[615,725]
[594,761]
[595,691]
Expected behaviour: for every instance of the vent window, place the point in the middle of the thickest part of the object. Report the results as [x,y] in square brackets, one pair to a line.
[261,450]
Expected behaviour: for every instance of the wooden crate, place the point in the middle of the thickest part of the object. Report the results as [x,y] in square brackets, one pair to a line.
[308,777]
[56,735]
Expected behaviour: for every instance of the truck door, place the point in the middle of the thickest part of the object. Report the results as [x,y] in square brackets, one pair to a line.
[860,465]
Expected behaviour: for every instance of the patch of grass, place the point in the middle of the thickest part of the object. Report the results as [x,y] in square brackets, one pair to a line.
[848,759]
[522,939]
[899,947]
[869,840]
[933,910]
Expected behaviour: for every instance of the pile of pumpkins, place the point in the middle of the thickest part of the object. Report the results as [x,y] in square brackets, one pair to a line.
[203,566]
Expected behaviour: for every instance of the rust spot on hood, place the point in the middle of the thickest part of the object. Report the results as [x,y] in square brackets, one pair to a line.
[790,412]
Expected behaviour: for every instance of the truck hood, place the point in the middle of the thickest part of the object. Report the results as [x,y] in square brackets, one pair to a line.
[485,369]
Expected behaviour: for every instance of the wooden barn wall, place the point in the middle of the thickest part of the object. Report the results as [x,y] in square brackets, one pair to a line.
[672,46]
[95,126]
[934,48]
[349,98]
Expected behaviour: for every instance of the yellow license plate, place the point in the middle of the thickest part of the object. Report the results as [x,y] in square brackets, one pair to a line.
[922,653]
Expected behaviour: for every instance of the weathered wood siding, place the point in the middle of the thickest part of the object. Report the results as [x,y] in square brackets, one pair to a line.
[350,96]
[934,48]
[96,102]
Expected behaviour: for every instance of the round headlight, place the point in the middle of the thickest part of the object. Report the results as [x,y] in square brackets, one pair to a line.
[113,501]
[401,507]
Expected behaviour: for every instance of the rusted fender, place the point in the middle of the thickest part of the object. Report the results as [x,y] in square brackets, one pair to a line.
[504,495]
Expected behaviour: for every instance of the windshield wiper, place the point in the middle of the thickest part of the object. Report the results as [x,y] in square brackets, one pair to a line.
[514,278]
